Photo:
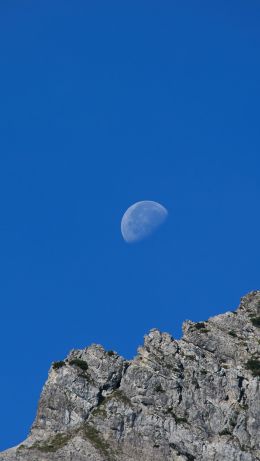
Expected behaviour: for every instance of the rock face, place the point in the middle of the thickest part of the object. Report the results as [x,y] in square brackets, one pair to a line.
[197,398]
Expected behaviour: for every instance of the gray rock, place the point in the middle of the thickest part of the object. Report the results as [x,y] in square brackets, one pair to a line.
[196,398]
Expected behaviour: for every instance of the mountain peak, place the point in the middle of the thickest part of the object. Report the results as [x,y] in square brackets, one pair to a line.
[196,398]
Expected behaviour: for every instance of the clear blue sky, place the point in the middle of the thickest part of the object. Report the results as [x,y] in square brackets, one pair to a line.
[104,104]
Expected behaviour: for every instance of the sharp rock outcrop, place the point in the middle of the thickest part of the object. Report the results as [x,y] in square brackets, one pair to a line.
[197,398]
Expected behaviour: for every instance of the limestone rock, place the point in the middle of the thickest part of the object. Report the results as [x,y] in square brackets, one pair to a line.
[197,398]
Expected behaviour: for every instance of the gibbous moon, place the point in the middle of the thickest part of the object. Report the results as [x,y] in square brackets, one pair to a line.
[141,220]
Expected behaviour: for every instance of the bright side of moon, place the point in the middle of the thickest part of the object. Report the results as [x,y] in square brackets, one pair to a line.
[141,220]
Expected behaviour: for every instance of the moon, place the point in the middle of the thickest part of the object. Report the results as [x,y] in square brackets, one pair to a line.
[142,219]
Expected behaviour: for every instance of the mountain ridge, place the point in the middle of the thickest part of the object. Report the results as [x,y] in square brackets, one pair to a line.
[195,398]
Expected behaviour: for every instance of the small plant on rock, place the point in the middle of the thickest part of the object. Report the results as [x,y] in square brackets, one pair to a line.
[254,366]
[110,353]
[201,326]
[232,333]
[79,363]
[256,321]
[57,365]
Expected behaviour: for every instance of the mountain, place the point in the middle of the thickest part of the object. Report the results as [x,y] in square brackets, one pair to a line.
[197,398]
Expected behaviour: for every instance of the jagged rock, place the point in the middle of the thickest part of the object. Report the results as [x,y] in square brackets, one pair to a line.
[196,398]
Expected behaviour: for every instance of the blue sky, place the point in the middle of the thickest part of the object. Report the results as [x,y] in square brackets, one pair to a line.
[104,104]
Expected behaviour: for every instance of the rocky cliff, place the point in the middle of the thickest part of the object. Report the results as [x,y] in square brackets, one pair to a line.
[196,398]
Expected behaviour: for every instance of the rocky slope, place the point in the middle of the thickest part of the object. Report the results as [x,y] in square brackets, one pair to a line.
[197,398]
